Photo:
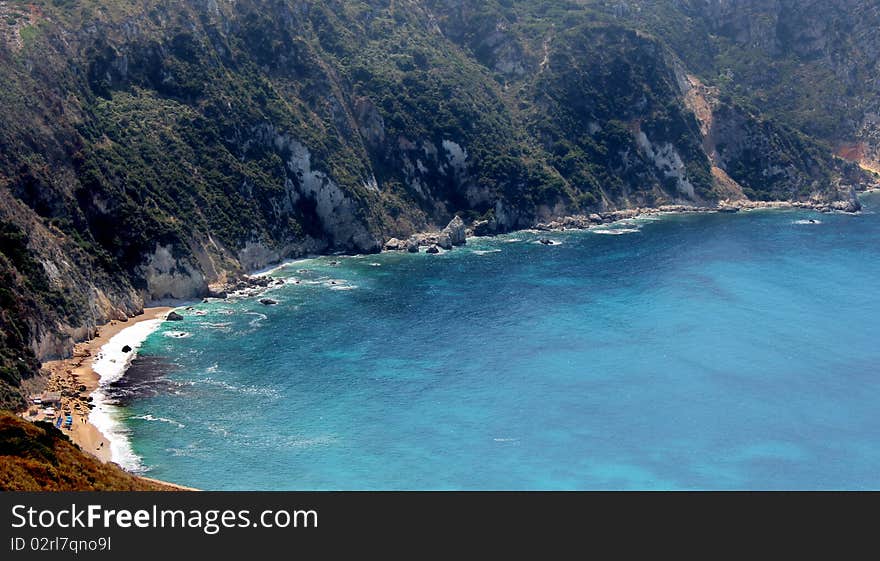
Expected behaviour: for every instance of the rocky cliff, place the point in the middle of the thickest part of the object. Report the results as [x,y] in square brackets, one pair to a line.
[811,64]
[150,149]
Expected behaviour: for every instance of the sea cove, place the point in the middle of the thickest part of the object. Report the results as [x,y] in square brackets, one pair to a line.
[709,351]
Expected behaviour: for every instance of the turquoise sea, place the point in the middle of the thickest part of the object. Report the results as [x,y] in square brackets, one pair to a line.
[685,352]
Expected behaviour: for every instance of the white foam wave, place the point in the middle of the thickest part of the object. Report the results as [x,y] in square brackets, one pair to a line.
[486,251]
[110,365]
[247,390]
[188,452]
[810,222]
[149,417]
[177,334]
[256,321]
[616,231]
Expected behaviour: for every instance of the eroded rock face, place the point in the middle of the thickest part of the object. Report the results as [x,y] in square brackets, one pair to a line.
[339,214]
[668,162]
[485,227]
[444,241]
[169,277]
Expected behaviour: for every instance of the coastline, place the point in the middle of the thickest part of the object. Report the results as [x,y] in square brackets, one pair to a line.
[586,222]
[260,278]
[769,221]
[79,383]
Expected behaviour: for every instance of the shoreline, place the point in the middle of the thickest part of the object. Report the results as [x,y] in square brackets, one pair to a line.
[258,278]
[79,384]
[586,222]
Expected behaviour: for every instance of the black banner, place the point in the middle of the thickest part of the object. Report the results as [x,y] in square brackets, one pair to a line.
[233,525]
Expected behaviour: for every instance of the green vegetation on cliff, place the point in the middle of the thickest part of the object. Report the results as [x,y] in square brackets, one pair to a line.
[150,148]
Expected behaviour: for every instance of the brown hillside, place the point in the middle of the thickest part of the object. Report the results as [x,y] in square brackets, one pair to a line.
[38,457]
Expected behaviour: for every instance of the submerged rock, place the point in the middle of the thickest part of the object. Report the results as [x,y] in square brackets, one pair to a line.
[174,316]
[268,302]
[126,349]
[546,241]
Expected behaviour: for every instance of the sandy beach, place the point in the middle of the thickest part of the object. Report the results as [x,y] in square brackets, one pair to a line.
[76,380]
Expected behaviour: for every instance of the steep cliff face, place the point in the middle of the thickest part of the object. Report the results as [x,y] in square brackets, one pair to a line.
[152,148]
[812,65]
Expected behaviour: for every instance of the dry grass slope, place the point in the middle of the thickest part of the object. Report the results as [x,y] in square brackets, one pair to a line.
[38,457]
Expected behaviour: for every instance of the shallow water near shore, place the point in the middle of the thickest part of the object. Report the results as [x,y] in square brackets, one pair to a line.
[708,351]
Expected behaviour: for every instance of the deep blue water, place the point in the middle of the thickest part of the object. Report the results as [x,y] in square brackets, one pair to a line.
[697,352]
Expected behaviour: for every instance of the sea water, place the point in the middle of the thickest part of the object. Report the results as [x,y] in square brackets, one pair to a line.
[710,351]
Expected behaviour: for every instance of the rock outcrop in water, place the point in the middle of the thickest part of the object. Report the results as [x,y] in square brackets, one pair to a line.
[412,245]
[456,231]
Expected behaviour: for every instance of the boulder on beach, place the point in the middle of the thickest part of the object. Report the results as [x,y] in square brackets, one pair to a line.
[456,231]
[433,249]
[174,316]
[126,349]
[394,245]
[268,302]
